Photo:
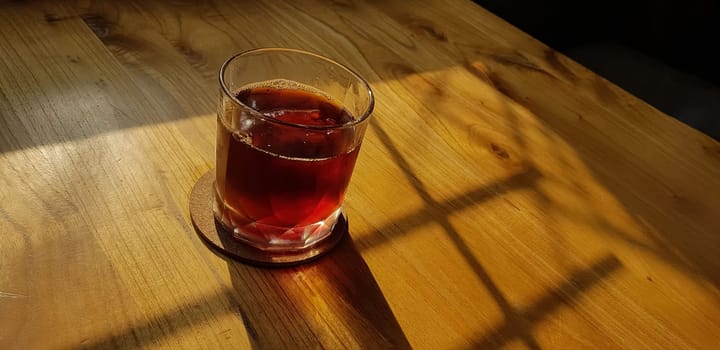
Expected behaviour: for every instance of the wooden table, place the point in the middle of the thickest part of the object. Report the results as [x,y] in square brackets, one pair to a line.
[505,196]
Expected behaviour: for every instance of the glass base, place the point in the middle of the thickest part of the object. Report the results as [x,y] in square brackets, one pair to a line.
[322,239]
[278,238]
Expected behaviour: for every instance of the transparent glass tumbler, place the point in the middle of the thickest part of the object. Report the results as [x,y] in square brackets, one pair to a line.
[289,128]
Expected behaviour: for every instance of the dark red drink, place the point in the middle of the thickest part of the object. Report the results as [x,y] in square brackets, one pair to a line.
[283,166]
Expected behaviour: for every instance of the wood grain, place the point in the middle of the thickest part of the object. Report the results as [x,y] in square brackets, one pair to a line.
[505,196]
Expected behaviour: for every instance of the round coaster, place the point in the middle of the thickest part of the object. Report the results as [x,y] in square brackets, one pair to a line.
[217,237]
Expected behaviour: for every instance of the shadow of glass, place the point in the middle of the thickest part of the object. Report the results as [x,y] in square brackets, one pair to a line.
[331,302]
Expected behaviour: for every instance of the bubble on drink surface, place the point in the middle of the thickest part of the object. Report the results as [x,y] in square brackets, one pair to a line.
[281,112]
[242,136]
[246,124]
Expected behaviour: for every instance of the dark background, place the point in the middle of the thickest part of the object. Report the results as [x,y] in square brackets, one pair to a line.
[662,51]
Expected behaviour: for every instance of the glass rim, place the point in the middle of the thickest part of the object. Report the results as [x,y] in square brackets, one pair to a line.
[365,115]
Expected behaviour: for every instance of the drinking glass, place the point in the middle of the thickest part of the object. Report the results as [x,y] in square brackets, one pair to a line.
[289,128]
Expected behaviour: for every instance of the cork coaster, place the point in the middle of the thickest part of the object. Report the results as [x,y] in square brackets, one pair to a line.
[220,239]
